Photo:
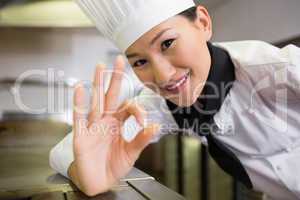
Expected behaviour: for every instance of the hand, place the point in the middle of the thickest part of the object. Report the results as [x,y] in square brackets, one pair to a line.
[101,154]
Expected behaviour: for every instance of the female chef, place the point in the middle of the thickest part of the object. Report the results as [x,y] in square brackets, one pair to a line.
[242,97]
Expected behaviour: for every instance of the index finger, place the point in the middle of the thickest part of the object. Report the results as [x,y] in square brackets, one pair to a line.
[112,95]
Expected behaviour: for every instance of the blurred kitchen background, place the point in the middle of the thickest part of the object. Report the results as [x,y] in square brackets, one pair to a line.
[53,37]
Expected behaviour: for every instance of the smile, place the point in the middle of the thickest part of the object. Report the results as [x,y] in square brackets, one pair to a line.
[178,84]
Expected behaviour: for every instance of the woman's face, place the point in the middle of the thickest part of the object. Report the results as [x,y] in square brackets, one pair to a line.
[173,59]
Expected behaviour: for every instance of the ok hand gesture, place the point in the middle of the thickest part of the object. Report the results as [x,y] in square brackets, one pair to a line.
[101,154]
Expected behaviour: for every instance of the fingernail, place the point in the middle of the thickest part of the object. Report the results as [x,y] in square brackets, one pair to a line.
[154,128]
[78,85]
[120,56]
[157,127]
[120,59]
[145,122]
[100,66]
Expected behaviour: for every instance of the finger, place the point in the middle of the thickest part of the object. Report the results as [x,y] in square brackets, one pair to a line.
[112,95]
[129,108]
[140,142]
[98,101]
[79,111]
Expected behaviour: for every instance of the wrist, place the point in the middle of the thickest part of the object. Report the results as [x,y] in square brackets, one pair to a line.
[72,173]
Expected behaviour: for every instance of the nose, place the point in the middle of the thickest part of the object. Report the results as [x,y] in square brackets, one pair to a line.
[163,71]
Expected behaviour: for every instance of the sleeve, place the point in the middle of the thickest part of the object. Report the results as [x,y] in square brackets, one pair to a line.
[157,112]
[61,155]
[290,76]
[277,79]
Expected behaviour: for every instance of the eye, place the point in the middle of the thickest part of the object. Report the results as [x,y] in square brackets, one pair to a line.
[139,63]
[167,44]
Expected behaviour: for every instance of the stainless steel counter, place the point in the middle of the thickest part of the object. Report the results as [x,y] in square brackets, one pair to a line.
[25,172]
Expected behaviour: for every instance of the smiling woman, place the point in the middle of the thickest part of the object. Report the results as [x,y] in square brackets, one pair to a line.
[161,60]
[228,93]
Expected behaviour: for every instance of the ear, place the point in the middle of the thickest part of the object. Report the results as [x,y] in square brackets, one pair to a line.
[203,21]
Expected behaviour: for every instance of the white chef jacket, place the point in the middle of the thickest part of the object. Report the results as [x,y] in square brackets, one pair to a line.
[259,119]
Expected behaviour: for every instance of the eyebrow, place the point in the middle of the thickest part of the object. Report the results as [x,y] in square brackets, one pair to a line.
[151,43]
[132,55]
[158,36]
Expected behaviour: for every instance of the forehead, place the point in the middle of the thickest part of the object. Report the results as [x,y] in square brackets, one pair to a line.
[175,22]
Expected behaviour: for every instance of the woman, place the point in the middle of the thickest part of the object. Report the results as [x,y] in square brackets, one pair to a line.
[242,97]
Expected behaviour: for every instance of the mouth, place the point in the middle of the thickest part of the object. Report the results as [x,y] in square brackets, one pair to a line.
[177,85]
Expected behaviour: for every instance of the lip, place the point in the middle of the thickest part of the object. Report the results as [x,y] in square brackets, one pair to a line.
[177,85]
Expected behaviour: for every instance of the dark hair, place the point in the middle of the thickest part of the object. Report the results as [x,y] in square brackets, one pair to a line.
[190,13]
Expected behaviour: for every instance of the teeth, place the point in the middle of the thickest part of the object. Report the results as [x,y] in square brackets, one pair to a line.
[177,84]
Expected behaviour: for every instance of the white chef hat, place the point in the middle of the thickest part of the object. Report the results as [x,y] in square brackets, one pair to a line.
[124,21]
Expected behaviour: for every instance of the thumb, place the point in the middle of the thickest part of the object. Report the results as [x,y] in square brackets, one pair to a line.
[143,138]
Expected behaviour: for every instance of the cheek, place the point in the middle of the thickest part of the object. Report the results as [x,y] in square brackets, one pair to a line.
[194,55]
[188,54]
[142,76]
[145,76]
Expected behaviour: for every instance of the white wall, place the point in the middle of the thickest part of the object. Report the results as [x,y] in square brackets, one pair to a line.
[268,20]
[75,51]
